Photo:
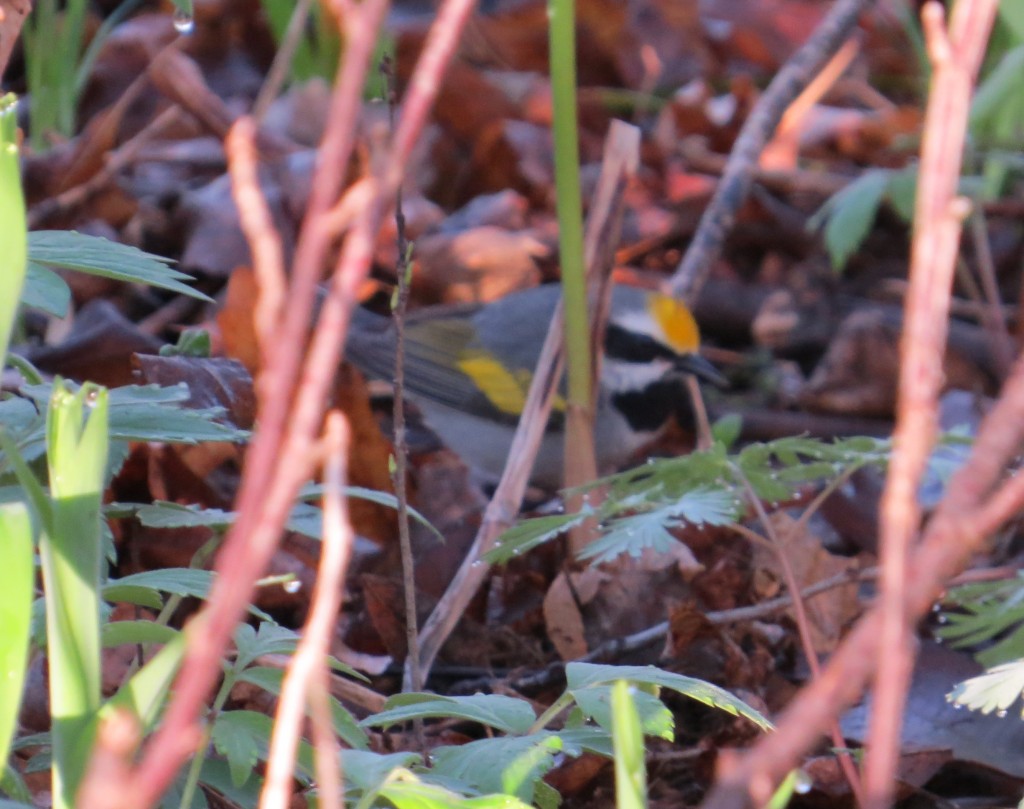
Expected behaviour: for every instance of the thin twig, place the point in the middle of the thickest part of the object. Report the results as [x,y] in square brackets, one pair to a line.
[413,680]
[309,662]
[992,312]
[618,647]
[803,625]
[278,73]
[789,82]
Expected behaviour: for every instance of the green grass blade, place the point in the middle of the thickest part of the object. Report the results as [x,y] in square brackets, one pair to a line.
[628,742]
[71,555]
[16,580]
[12,223]
[569,203]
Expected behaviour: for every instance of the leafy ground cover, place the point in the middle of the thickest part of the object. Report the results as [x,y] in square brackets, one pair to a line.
[687,593]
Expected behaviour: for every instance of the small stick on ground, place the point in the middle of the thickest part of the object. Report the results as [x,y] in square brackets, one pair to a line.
[789,82]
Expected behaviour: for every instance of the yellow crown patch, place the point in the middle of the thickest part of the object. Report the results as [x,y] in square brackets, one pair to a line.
[676,322]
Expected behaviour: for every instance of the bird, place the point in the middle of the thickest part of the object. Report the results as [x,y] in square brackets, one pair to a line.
[468,368]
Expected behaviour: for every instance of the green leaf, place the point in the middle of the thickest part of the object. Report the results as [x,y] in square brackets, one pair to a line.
[512,765]
[410,793]
[164,514]
[233,737]
[17,579]
[146,691]
[530,534]
[14,786]
[581,675]
[627,736]
[119,633]
[12,222]
[639,532]
[994,691]
[155,413]
[726,430]
[70,552]
[1012,13]
[506,714]
[179,581]
[345,725]
[46,290]
[217,774]
[269,639]
[243,737]
[69,250]
[849,215]
[596,702]
[367,771]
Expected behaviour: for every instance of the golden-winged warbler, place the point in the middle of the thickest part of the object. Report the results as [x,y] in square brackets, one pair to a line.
[468,369]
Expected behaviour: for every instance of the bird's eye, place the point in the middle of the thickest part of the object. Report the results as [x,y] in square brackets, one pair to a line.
[631,346]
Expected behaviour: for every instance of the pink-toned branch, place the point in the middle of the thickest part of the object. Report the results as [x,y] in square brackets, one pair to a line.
[964,519]
[293,388]
[937,226]
[979,501]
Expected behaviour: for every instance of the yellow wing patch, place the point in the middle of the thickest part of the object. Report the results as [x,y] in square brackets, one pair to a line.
[677,323]
[504,389]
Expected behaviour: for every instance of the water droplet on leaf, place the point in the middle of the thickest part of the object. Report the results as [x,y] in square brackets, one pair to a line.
[184,23]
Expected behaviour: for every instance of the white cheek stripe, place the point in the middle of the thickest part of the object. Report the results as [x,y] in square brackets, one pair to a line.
[618,375]
[639,322]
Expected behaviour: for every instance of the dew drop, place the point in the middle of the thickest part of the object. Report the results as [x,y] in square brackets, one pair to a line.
[292,586]
[802,783]
[1001,714]
[957,706]
[184,23]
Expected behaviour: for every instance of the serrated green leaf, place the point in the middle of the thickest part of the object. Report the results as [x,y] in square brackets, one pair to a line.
[994,691]
[243,737]
[345,725]
[233,737]
[69,250]
[581,675]
[155,422]
[216,773]
[655,719]
[268,639]
[530,534]
[512,765]
[849,215]
[640,532]
[498,711]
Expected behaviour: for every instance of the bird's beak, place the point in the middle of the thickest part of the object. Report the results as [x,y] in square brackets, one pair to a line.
[702,369]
